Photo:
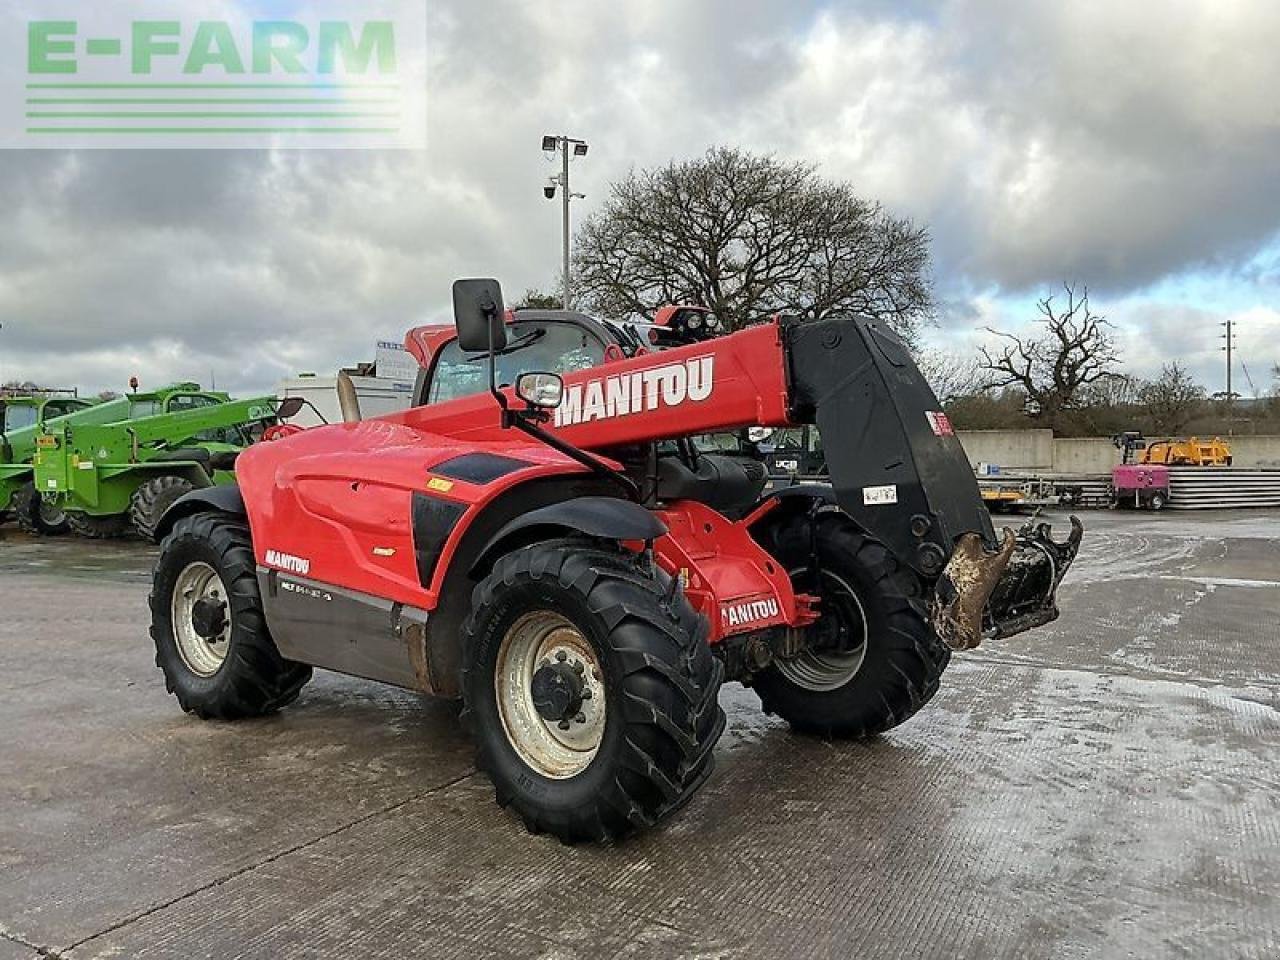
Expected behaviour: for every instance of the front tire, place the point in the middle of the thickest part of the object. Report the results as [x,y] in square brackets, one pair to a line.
[152,498]
[875,660]
[207,623]
[590,690]
[35,516]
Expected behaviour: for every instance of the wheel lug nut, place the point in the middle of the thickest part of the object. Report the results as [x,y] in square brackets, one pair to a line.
[561,656]
[581,718]
[586,694]
[563,724]
[578,667]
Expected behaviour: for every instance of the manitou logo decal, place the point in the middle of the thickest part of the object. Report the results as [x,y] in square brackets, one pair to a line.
[736,614]
[622,394]
[287,561]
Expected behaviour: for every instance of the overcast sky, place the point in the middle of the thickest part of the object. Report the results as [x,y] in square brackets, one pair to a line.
[1131,146]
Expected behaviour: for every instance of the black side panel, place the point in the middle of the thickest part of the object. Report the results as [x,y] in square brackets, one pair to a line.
[343,630]
[433,521]
[478,467]
[894,464]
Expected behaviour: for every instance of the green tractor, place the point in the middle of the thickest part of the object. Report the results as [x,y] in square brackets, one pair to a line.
[21,417]
[111,478]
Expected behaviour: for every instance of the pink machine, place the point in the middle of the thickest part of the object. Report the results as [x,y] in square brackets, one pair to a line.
[1141,485]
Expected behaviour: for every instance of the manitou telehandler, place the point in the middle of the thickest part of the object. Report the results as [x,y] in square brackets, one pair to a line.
[552,551]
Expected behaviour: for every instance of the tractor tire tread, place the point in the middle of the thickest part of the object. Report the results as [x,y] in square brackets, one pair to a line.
[152,498]
[911,665]
[668,681]
[255,680]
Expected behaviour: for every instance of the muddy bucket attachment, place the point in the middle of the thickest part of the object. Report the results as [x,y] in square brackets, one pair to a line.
[985,594]
[898,469]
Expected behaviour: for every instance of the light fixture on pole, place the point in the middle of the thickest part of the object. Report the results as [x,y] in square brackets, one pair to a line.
[550,144]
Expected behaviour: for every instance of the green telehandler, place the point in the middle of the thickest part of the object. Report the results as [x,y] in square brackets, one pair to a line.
[21,416]
[112,477]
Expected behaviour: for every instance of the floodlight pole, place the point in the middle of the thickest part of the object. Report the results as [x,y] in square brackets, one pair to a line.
[565,195]
[564,144]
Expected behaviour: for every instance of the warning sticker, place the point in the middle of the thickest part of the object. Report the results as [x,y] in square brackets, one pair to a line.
[876,496]
[939,423]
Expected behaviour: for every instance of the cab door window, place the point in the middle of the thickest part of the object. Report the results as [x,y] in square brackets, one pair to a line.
[534,345]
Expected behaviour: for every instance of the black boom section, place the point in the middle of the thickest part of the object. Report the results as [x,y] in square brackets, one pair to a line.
[896,467]
[433,521]
[478,468]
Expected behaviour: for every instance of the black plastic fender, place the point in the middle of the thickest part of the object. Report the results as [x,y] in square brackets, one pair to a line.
[608,518]
[224,499]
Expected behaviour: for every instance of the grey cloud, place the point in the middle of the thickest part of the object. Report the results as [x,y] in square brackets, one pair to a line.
[1114,143]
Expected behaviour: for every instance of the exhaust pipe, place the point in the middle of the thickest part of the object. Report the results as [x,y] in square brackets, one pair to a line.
[348,399]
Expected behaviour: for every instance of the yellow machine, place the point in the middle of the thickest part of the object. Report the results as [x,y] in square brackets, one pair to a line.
[1192,452]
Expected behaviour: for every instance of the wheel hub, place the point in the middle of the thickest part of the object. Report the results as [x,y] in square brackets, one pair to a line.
[557,690]
[209,617]
[200,618]
[549,684]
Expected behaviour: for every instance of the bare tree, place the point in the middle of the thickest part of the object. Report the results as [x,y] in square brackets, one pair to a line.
[949,375]
[749,236]
[535,299]
[1074,349]
[1115,390]
[1171,401]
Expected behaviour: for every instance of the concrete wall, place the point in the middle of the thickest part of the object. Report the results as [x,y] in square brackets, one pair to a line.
[1024,450]
[1011,449]
[1255,451]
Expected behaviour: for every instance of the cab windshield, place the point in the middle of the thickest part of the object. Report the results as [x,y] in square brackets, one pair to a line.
[18,417]
[531,346]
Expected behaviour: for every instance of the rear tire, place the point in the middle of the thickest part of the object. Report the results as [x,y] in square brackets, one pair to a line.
[107,527]
[1156,502]
[36,517]
[639,747]
[150,501]
[206,579]
[888,662]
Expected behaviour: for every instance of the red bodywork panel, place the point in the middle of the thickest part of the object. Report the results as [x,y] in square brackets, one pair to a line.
[334,504]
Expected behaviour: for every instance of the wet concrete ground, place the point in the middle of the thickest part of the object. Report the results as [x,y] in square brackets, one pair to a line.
[1106,787]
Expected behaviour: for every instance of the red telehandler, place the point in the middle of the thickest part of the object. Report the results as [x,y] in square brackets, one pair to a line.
[555,551]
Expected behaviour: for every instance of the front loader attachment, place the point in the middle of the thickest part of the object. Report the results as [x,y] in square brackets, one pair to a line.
[898,469]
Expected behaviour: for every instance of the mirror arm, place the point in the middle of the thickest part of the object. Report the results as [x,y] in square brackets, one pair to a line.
[493,375]
[596,466]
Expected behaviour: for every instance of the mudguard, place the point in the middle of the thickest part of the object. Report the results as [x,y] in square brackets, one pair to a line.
[224,499]
[604,517]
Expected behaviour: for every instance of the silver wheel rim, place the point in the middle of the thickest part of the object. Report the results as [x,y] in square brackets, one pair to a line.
[203,656]
[824,670]
[535,640]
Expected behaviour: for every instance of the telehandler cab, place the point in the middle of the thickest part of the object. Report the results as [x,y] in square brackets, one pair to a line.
[555,553]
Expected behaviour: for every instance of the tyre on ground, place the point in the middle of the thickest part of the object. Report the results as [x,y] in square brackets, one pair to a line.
[208,626]
[873,660]
[152,499]
[35,515]
[110,526]
[590,689]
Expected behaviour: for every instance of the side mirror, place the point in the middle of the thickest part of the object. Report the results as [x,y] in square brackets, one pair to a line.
[289,407]
[478,314]
[541,390]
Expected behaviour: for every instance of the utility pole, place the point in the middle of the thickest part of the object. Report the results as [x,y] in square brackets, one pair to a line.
[1230,338]
[550,144]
